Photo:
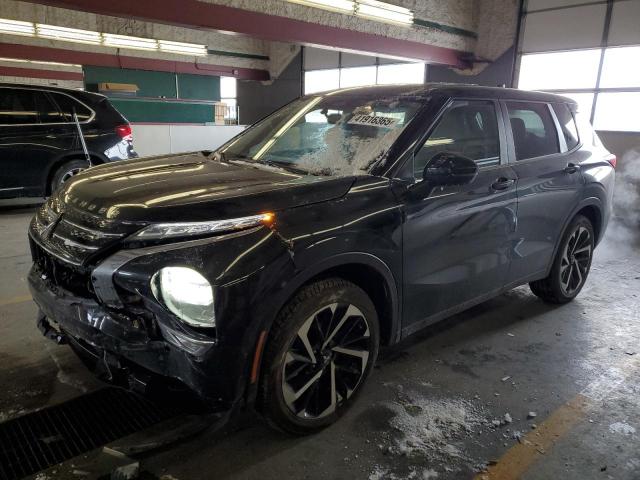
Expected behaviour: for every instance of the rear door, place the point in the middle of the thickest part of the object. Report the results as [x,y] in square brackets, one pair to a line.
[457,239]
[549,182]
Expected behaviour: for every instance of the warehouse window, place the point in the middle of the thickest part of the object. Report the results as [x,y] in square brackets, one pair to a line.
[323,80]
[534,133]
[357,77]
[620,68]
[574,74]
[560,70]
[401,73]
[228,96]
[618,111]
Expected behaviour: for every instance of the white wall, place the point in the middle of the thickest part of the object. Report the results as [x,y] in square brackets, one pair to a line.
[160,139]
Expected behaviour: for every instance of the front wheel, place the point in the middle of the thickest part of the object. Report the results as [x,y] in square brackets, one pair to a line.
[571,265]
[321,349]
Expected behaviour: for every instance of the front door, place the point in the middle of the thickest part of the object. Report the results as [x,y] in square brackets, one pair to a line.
[457,239]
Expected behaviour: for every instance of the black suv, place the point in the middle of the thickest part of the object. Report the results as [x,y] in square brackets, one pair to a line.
[270,271]
[40,146]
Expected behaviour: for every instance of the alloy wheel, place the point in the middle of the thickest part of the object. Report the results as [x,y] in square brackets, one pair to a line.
[576,260]
[72,172]
[326,361]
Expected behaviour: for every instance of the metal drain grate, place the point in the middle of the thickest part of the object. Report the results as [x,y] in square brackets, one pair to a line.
[47,437]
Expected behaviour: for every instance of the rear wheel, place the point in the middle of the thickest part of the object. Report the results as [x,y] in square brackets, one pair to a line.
[322,348]
[571,265]
[66,172]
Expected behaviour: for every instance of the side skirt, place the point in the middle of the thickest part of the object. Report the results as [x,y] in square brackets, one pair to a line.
[417,326]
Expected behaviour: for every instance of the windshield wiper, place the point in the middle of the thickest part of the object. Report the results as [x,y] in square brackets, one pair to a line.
[284,165]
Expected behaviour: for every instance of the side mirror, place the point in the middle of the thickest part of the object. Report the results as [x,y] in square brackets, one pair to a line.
[447,168]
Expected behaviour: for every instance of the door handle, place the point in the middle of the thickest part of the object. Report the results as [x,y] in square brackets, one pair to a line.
[571,168]
[502,183]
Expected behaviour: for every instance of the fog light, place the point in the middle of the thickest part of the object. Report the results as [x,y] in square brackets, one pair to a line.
[187,294]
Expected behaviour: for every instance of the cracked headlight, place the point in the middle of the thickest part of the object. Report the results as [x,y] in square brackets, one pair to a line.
[186,229]
[187,294]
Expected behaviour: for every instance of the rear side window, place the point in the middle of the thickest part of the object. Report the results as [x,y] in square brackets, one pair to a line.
[68,105]
[47,110]
[534,133]
[17,107]
[567,124]
[468,128]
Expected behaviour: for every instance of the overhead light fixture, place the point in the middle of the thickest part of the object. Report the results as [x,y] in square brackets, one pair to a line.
[383,11]
[15,27]
[371,9]
[68,34]
[38,62]
[65,34]
[182,48]
[343,6]
[125,41]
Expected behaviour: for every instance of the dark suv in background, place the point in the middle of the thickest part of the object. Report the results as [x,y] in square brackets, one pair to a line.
[40,147]
[270,271]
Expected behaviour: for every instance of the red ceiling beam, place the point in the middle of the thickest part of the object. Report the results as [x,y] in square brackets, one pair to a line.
[38,73]
[196,14]
[37,53]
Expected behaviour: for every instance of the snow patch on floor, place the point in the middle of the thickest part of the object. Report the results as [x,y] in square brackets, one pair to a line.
[426,437]
[622,428]
[431,427]
[380,473]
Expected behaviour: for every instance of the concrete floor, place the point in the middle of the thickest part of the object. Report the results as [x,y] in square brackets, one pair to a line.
[434,407]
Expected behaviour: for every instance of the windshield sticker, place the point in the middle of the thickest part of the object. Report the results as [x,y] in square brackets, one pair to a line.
[385,122]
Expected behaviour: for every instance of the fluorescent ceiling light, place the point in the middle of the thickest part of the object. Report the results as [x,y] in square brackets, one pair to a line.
[384,11]
[15,27]
[372,9]
[54,32]
[338,5]
[68,34]
[182,48]
[125,41]
[38,62]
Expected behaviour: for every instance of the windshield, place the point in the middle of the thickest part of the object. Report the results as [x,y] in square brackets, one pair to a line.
[327,135]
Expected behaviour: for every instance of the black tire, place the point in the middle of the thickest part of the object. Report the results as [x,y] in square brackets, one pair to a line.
[571,265]
[65,171]
[320,305]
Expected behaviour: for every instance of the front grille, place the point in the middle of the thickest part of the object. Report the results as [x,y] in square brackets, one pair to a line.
[47,437]
[73,278]
[74,236]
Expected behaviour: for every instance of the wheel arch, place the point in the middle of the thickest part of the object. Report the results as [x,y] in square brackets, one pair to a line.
[96,159]
[592,208]
[365,270]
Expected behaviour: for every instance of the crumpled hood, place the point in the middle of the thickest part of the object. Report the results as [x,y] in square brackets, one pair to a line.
[192,187]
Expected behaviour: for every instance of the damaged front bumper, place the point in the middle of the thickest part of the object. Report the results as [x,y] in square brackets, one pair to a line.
[117,351]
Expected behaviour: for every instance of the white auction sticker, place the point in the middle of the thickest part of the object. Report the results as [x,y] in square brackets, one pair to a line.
[386,122]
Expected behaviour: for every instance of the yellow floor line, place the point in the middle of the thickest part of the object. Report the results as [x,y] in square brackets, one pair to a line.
[537,443]
[14,300]
[517,460]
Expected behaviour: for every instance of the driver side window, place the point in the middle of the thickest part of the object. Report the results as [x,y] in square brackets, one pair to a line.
[467,128]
